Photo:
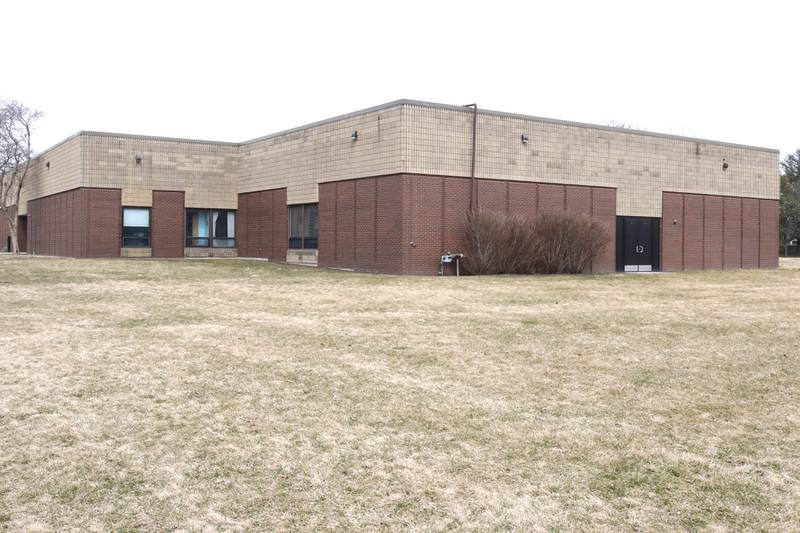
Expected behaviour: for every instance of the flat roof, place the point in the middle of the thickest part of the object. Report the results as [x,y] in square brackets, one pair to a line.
[402,102]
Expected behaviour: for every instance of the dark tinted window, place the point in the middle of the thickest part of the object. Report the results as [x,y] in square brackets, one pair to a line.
[304,226]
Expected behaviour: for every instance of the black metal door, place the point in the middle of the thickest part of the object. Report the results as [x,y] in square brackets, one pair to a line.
[637,244]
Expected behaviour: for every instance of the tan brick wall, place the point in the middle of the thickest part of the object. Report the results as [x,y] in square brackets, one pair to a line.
[207,172]
[137,253]
[640,166]
[301,159]
[210,252]
[137,198]
[414,138]
[64,173]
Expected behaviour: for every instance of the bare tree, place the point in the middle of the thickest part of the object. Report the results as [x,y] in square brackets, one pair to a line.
[16,122]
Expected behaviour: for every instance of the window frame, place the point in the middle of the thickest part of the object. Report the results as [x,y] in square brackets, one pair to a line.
[148,238]
[190,241]
[303,237]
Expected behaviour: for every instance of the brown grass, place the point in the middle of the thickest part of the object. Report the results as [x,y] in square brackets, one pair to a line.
[238,395]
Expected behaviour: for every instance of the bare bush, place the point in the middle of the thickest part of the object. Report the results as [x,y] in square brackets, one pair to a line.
[549,244]
[497,244]
[567,244]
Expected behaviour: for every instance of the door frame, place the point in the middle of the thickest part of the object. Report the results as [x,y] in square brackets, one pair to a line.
[655,240]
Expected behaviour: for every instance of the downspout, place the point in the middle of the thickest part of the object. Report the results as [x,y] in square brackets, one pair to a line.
[473,194]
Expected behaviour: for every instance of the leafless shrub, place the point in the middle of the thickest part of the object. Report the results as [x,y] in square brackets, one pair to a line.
[497,244]
[567,244]
[549,244]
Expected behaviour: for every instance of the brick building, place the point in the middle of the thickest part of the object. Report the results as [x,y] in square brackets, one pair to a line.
[386,189]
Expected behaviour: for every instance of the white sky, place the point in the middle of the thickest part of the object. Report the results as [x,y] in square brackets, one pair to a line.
[231,71]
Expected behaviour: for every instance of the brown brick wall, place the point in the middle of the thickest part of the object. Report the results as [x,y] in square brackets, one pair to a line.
[551,198]
[345,252]
[327,225]
[361,223]
[167,224]
[768,233]
[262,225]
[750,233]
[672,232]
[604,212]
[389,223]
[732,233]
[718,232]
[712,232]
[492,196]
[523,198]
[104,222]
[78,223]
[403,223]
[22,233]
[693,216]
[365,226]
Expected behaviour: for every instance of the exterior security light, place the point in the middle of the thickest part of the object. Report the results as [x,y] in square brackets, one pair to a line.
[724,165]
[354,136]
[138,158]
[524,138]
[47,165]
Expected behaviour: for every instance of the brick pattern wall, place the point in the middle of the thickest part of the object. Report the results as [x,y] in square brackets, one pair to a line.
[402,224]
[365,233]
[136,253]
[640,165]
[361,224]
[345,236]
[207,172]
[167,224]
[604,212]
[104,222]
[409,138]
[22,233]
[768,235]
[389,224]
[262,225]
[206,251]
[718,232]
[302,158]
[78,223]
[56,170]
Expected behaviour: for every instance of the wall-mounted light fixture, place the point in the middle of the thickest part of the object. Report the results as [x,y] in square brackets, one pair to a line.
[354,136]
[524,138]
[138,158]
[47,165]
[724,165]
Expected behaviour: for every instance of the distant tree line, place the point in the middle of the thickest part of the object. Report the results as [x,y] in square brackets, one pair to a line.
[790,201]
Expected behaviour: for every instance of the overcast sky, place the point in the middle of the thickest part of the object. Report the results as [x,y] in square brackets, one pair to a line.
[232,71]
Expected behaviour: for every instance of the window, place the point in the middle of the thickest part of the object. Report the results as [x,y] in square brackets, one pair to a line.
[135,227]
[210,227]
[224,223]
[304,226]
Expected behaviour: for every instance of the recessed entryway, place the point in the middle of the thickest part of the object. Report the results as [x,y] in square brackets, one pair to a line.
[638,240]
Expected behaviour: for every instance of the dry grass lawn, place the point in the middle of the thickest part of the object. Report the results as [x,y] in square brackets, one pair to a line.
[242,395]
